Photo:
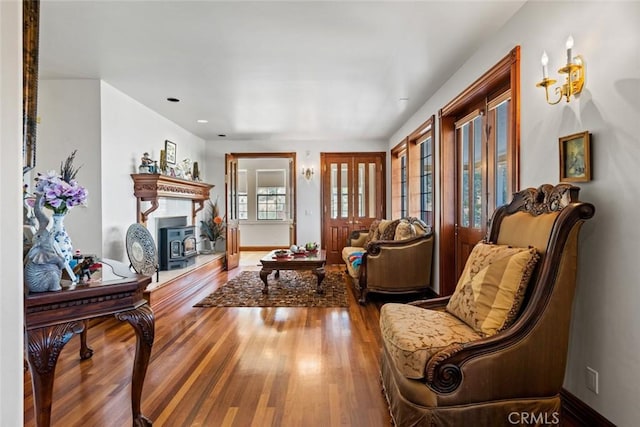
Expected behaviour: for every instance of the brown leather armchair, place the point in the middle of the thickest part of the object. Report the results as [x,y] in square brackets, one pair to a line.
[481,380]
[391,265]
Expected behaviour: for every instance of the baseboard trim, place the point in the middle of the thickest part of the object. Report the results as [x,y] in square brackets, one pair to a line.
[576,412]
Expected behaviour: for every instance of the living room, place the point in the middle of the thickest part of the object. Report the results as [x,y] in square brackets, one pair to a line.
[113,123]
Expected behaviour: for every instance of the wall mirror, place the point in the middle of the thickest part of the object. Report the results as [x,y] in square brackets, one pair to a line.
[30,32]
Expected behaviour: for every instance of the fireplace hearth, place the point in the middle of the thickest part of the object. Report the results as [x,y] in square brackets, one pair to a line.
[177,247]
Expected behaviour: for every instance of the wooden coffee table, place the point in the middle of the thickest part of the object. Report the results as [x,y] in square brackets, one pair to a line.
[313,261]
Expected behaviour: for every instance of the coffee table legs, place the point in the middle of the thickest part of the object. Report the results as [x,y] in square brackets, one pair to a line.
[319,272]
[264,274]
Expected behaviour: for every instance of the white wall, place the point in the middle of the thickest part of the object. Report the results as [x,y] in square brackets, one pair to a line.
[11,289]
[69,112]
[128,129]
[307,154]
[605,333]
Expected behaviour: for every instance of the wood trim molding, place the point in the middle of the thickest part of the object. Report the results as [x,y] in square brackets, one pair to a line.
[149,187]
[485,83]
[577,413]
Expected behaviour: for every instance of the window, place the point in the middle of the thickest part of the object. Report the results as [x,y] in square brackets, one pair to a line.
[403,186]
[421,172]
[426,180]
[399,181]
[243,198]
[271,197]
[472,206]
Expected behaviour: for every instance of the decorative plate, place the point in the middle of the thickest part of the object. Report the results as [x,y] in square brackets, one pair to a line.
[141,250]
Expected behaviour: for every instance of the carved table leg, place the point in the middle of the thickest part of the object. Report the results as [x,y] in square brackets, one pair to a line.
[319,272]
[264,274]
[142,321]
[85,351]
[43,348]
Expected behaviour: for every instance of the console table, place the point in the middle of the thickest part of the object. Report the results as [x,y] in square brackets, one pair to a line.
[149,187]
[52,318]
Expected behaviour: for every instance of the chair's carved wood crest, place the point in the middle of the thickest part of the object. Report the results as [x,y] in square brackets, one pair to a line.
[544,199]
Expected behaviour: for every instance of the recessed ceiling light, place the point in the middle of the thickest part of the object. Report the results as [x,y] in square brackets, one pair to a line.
[222,135]
[403,99]
[202,121]
[173,100]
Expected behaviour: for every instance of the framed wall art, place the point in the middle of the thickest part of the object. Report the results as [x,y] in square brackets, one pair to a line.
[575,157]
[170,152]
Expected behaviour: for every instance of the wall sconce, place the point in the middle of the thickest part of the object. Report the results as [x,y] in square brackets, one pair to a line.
[574,71]
[307,173]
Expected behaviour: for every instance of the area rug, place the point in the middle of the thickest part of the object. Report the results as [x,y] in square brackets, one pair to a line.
[291,289]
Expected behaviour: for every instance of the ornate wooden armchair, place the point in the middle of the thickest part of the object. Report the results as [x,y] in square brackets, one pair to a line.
[462,377]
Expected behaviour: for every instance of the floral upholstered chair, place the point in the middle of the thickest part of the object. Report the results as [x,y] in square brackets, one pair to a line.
[499,343]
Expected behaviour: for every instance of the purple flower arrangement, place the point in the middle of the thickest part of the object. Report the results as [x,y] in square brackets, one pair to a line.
[60,195]
[61,191]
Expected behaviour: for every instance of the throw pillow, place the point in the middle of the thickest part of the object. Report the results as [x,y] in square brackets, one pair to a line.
[492,286]
[373,232]
[405,230]
[389,231]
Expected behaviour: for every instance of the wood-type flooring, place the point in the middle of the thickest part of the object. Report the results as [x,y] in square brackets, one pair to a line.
[227,366]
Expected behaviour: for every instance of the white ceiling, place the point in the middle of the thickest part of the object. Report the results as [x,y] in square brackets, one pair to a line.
[270,70]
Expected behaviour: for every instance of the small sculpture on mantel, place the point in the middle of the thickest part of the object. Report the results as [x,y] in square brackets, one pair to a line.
[195,175]
[44,262]
[146,164]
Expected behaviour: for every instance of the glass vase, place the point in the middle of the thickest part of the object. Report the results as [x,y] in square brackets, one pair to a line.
[61,237]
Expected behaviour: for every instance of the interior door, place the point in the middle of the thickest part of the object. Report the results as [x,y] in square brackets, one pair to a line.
[291,192]
[233,231]
[352,197]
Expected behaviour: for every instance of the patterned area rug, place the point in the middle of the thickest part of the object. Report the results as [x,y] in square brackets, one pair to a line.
[291,289]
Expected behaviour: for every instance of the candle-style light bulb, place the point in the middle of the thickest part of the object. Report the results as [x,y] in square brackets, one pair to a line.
[544,60]
[569,46]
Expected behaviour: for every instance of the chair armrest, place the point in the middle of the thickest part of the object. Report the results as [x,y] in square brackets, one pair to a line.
[357,238]
[432,304]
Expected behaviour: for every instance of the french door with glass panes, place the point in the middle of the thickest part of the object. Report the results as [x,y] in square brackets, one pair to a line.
[479,162]
[484,182]
[352,197]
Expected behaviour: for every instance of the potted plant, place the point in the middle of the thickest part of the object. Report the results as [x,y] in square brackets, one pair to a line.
[213,227]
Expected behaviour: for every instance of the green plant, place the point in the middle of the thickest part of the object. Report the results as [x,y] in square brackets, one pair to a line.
[213,226]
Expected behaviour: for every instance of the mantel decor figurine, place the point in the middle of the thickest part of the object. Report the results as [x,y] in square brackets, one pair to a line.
[147,164]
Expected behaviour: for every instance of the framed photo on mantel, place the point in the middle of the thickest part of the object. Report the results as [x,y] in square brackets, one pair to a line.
[575,157]
[170,151]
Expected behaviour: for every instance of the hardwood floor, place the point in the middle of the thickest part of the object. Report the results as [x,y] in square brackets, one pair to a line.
[227,366]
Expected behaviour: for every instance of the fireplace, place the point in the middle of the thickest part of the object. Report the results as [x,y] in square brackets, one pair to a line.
[177,247]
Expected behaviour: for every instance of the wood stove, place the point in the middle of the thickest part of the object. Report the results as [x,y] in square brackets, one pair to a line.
[177,247]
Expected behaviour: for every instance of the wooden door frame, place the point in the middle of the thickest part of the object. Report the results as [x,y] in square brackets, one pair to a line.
[294,182]
[507,68]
